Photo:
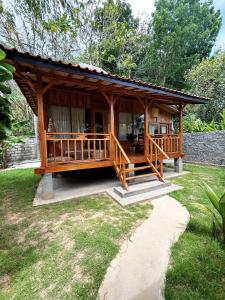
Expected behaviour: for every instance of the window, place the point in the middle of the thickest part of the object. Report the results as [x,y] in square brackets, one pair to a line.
[163,128]
[153,128]
[125,125]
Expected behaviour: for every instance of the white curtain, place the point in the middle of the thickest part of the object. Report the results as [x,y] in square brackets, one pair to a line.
[60,116]
[78,119]
[125,125]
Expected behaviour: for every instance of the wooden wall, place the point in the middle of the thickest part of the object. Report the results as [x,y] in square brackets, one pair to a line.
[96,102]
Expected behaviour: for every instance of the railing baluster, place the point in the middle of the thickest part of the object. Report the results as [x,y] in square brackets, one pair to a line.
[61,145]
[68,149]
[82,149]
[89,154]
[75,149]
[105,152]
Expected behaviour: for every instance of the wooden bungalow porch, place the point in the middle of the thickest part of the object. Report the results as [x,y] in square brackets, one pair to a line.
[85,114]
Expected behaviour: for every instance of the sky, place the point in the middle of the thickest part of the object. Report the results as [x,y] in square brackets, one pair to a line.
[147,7]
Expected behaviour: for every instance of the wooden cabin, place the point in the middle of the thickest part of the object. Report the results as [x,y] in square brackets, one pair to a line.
[89,118]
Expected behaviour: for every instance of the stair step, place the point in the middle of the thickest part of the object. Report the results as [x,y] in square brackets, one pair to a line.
[140,188]
[123,201]
[137,169]
[141,176]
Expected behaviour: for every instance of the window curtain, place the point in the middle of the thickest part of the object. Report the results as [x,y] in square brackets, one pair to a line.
[125,125]
[60,116]
[78,119]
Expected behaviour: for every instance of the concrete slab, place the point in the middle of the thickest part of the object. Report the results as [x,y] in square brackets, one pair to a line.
[72,185]
[138,271]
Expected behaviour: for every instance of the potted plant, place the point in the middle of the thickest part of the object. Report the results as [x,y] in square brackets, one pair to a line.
[131,137]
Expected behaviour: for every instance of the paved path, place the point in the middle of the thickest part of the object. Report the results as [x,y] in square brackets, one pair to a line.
[138,271]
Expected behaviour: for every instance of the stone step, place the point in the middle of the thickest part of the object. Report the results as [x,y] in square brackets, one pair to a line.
[148,196]
[142,187]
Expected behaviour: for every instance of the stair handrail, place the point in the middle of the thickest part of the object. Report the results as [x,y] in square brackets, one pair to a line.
[120,159]
[158,147]
[126,158]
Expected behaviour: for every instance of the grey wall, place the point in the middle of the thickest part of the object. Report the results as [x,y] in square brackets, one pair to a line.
[22,151]
[205,147]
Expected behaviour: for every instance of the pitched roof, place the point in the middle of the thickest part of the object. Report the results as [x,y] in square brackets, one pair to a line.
[101,75]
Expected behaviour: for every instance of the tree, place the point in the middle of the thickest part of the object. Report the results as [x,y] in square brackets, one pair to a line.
[182,33]
[40,26]
[118,38]
[207,79]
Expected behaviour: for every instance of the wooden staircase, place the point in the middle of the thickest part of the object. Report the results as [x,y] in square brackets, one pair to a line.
[153,164]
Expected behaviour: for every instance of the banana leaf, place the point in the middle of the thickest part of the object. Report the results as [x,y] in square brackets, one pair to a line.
[9,67]
[5,89]
[5,74]
[2,54]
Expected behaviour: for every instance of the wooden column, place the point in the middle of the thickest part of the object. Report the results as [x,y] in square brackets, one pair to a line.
[146,122]
[41,122]
[146,105]
[181,127]
[111,99]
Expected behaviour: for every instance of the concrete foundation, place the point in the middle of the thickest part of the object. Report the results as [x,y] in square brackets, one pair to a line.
[178,165]
[131,173]
[46,187]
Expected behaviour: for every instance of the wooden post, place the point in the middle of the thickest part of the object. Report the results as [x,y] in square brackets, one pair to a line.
[42,133]
[111,99]
[146,121]
[181,128]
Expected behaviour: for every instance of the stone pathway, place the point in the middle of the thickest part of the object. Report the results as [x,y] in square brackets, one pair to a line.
[138,271]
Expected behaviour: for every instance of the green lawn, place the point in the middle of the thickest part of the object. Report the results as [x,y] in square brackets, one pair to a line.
[197,269]
[59,251]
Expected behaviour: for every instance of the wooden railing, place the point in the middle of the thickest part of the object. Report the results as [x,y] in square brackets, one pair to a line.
[155,155]
[120,160]
[169,143]
[67,147]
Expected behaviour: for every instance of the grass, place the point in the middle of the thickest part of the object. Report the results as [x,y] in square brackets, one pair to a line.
[59,251]
[197,269]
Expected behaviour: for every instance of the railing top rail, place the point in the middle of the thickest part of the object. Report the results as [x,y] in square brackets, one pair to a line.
[76,133]
[121,149]
[163,135]
[159,148]
[77,139]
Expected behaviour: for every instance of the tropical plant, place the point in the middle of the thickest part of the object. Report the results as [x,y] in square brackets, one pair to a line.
[10,140]
[222,122]
[6,74]
[216,210]
[131,137]
[193,124]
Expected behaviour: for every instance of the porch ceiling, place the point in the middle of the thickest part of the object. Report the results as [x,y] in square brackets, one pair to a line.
[31,69]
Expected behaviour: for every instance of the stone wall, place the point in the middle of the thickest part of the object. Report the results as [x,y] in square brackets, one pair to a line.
[205,147]
[22,151]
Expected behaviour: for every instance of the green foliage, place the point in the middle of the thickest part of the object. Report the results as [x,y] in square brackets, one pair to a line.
[222,122]
[218,211]
[193,124]
[182,32]
[207,79]
[6,73]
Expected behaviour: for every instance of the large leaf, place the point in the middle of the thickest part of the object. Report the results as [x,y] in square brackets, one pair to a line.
[214,199]
[2,54]
[5,74]
[206,210]
[5,89]
[9,67]
[222,205]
